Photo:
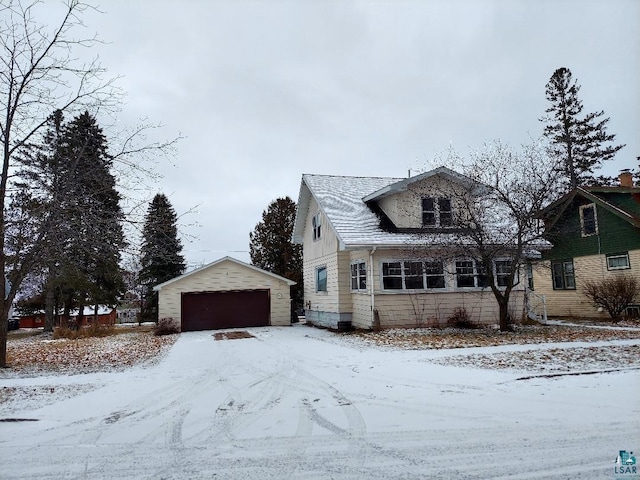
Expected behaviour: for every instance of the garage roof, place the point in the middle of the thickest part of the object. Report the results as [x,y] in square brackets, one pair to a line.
[157,288]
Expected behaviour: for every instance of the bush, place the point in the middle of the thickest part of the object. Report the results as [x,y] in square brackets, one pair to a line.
[613,294]
[166,326]
[460,319]
[93,330]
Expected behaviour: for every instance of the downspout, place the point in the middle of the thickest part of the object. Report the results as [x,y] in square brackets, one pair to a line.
[372,286]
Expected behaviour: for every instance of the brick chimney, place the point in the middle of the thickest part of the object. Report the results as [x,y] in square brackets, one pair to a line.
[626,179]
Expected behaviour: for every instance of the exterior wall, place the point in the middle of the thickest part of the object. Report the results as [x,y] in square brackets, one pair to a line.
[404,209]
[572,303]
[226,276]
[614,234]
[325,308]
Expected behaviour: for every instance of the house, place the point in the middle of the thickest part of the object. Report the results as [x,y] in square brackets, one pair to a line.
[375,252]
[106,316]
[595,232]
[227,293]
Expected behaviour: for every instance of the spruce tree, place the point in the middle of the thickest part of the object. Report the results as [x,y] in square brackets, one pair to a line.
[161,254]
[581,141]
[271,247]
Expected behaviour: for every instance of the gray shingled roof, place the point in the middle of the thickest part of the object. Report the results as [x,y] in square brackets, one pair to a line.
[341,202]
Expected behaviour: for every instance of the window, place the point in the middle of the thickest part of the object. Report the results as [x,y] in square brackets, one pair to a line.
[358,276]
[471,274]
[618,261]
[412,275]
[321,279]
[436,212]
[503,271]
[530,276]
[588,220]
[316,223]
[563,275]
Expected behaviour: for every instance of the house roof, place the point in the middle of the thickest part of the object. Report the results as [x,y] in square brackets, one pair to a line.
[623,202]
[342,201]
[217,262]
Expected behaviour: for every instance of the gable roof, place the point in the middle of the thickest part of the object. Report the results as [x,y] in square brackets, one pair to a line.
[624,202]
[342,200]
[402,185]
[217,262]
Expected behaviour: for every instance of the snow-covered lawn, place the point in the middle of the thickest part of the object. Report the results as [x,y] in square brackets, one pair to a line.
[306,403]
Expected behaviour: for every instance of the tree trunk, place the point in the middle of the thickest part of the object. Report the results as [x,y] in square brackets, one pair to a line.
[49,315]
[505,324]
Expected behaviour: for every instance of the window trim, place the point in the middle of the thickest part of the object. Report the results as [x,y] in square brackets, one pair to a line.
[437,203]
[321,268]
[360,275]
[403,275]
[582,221]
[624,255]
[563,264]
[316,225]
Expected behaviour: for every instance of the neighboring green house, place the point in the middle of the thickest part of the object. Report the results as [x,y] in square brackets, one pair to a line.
[595,232]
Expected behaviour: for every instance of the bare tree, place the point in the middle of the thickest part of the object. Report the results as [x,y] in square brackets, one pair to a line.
[38,76]
[496,228]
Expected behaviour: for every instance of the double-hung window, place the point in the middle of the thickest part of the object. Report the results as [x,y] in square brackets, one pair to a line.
[588,220]
[503,272]
[316,224]
[412,275]
[358,276]
[563,275]
[471,274]
[436,212]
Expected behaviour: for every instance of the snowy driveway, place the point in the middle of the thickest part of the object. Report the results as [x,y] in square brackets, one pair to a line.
[303,403]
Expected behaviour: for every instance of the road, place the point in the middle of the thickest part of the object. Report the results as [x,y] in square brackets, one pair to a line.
[299,403]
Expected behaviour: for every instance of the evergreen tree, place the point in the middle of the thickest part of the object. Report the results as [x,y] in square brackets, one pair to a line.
[582,142]
[161,256]
[271,247]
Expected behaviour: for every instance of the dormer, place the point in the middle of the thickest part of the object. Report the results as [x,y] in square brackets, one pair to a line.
[429,201]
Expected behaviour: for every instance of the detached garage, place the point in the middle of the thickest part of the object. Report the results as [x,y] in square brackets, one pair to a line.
[227,293]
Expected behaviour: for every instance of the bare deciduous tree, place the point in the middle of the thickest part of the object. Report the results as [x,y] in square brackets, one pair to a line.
[39,75]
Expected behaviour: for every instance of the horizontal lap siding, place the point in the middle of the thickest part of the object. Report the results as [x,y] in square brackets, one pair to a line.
[227,276]
[572,303]
[433,309]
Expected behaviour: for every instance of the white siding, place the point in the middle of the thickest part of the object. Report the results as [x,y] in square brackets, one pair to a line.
[226,276]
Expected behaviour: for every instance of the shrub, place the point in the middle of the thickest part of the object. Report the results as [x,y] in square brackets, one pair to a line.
[613,294]
[93,330]
[166,326]
[460,319]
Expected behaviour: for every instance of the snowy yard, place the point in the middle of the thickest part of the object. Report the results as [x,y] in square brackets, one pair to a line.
[306,403]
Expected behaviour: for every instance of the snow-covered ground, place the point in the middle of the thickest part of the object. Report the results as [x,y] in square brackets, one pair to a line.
[306,403]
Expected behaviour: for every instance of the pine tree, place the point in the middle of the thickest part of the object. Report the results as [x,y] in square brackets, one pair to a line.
[161,255]
[271,247]
[581,141]
[92,215]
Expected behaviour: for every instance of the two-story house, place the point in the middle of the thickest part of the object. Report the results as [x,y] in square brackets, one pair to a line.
[375,252]
[595,232]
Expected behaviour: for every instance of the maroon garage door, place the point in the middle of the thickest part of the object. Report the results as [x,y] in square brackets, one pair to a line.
[212,310]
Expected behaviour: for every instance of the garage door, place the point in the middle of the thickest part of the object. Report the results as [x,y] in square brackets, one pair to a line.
[213,310]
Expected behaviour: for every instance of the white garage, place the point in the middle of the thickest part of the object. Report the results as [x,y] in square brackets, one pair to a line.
[227,293]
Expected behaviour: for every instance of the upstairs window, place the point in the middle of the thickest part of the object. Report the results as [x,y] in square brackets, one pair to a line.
[563,275]
[358,276]
[588,220]
[618,261]
[436,212]
[316,223]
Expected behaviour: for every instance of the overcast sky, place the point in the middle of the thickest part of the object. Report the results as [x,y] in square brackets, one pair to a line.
[266,91]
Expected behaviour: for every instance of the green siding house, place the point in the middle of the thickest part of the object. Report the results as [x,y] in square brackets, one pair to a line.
[595,233]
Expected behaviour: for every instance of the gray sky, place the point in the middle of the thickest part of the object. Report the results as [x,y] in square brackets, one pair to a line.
[267,91]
